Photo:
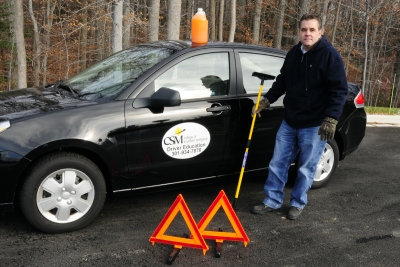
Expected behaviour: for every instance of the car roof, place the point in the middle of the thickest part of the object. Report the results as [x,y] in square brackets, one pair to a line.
[179,45]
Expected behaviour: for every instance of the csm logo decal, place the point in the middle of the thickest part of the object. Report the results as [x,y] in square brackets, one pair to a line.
[186,140]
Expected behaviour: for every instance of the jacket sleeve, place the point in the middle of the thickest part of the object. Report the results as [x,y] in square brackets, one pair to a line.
[278,88]
[336,83]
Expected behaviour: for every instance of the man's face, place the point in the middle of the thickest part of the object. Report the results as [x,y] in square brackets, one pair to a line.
[309,33]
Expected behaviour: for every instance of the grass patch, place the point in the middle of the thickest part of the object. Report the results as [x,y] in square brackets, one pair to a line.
[381,111]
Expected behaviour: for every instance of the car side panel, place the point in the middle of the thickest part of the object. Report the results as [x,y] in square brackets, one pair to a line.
[150,165]
[98,129]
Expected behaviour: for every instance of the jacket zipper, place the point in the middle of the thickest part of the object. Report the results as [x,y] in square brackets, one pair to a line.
[306,75]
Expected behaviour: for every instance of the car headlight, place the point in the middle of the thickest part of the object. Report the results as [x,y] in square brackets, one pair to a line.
[4,125]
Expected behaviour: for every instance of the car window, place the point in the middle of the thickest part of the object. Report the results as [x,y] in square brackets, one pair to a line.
[115,73]
[200,76]
[259,63]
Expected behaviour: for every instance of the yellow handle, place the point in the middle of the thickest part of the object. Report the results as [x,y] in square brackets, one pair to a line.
[248,143]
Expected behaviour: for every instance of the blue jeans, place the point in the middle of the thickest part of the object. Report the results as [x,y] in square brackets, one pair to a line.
[289,142]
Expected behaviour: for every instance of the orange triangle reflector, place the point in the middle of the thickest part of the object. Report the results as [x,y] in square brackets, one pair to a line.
[238,235]
[195,240]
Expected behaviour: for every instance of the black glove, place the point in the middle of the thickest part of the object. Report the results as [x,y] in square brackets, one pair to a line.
[328,128]
[263,104]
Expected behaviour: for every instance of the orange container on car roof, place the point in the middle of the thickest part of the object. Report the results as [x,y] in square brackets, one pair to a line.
[199,27]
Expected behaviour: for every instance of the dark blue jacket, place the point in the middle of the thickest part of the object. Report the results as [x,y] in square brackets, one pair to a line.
[315,85]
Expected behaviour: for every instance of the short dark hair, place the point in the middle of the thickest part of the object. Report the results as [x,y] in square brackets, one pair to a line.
[310,17]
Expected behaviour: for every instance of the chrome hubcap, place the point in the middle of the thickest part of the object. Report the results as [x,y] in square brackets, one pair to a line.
[65,196]
[325,164]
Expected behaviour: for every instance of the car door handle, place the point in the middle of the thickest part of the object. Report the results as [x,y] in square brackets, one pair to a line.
[218,108]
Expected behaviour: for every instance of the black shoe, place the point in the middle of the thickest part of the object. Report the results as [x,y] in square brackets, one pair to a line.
[262,209]
[294,213]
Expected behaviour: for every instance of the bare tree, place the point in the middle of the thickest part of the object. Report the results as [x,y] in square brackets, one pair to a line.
[100,29]
[212,22]
[154,20]
[20,42]
[84,33]
[36,45]
[367,17]
[117,26]
[256,21]
[279,24]
[221,20]
[336,22]
[323,15]
[350,48]
[50,6]
[233,22]
[188,20]
[368,13]
[304,7]
[127,20]
[174,19]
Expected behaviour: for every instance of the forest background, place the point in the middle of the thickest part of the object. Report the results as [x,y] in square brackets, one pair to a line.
[43,41]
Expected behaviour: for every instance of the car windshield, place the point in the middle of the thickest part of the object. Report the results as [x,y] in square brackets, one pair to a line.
[113,74]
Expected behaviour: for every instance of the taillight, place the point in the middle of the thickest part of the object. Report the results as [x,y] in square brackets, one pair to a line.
[359,100]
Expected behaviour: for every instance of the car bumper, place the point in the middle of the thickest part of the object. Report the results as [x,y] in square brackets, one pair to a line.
[353,132]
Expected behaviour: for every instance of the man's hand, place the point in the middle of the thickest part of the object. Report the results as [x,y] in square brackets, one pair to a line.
[263,104]
[327,129]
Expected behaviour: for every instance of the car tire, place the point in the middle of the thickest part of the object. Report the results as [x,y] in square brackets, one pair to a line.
[62,192]
[327,165]
[325,169]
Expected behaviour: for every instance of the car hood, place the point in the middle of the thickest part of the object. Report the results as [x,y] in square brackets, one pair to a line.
[32,101]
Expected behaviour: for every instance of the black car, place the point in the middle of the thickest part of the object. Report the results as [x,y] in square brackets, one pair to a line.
[156,114]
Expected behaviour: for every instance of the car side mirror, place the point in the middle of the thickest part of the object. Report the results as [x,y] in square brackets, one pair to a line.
[163,97]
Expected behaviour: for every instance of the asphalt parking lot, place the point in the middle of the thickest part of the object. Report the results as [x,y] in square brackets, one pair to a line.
[354,221]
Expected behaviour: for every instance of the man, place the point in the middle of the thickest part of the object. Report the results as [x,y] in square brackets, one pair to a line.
[314,80]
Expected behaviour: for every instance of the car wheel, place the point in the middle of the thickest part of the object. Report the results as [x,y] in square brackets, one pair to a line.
[326,165]
[63,192]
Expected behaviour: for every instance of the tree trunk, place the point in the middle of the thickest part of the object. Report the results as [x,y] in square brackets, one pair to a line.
[366,49]
[212,21]
[84,31]
[154,20]
[100,30]
[174,19]
[318,8]
[20,42]
[279,24]
[256,21]
[221,20]
[117,26]
[233,22]
[189,15]
[50,6]
[370,67]
[296,26]
[36,45]
[336,22]
[351,40]
[127,20]
[305,7]
[323,15]
[10,70]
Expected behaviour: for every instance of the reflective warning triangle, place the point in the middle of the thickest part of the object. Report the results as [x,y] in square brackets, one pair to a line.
[238,235]
[195,240]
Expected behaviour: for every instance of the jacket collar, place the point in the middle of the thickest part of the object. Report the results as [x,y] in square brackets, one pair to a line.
[322,42]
